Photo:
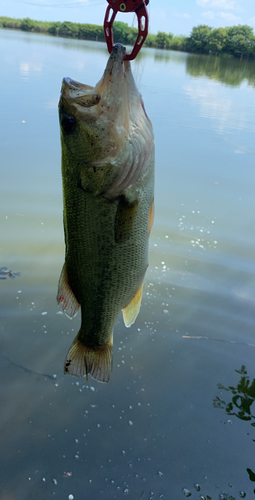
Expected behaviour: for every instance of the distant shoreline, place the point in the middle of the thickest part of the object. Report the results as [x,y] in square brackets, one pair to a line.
[234,41]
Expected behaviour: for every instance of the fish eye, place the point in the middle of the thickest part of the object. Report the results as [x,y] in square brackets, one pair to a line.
[68,123]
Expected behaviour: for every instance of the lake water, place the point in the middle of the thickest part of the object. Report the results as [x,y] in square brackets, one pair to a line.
[163,427]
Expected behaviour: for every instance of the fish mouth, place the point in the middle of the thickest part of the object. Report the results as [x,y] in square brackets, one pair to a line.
[106,94]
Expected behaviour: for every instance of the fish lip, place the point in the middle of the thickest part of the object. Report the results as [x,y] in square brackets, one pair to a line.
[73,92]
[112,86]
[118,53]
[114,63]
[70,85]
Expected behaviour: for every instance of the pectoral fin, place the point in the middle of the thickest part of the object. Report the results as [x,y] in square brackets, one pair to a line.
[131,311]
[124,219]
[65,296]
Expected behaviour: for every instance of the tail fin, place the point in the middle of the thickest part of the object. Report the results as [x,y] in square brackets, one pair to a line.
[82,360]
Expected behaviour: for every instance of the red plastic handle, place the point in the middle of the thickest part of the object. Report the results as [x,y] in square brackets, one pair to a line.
[127,5]
[137,6]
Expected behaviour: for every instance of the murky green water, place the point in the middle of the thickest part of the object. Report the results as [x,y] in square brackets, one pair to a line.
[162,428]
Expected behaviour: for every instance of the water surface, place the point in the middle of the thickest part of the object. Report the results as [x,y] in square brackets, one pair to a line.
[162,425]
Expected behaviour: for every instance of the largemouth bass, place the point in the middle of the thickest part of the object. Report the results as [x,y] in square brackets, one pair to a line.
[108,185]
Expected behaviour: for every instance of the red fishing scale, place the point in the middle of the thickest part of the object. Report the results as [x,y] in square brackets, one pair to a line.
[137,6]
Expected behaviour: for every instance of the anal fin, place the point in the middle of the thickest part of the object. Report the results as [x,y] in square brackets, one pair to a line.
[131,311]
[65,296]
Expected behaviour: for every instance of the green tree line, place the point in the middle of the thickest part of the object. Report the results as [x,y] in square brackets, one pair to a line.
[236,41]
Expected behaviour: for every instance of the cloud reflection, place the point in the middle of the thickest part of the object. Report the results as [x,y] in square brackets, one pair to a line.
[26,68]
[213,104]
